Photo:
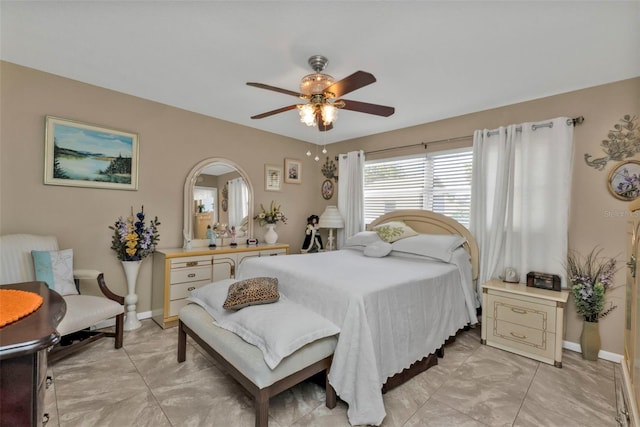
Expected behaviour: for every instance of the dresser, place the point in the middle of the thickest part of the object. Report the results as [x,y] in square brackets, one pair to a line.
[176,272]
[630,362]
[23,358]
[524,320]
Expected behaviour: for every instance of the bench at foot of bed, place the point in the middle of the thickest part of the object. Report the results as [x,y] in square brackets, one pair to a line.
[245,362]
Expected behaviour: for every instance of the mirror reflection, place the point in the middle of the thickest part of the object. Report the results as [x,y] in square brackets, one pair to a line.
[218,200]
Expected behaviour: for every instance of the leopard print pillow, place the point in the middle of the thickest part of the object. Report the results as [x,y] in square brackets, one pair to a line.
[254,291]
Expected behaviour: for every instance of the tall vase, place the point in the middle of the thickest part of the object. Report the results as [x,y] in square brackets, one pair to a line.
[590,340]
[271,236]
[131,269]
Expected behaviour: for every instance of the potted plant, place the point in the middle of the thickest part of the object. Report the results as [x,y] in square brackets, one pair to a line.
[590,277]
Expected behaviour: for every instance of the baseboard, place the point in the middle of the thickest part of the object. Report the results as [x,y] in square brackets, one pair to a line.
[605,355]
[112,322]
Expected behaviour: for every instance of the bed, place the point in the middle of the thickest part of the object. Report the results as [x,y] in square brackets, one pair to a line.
[392,310]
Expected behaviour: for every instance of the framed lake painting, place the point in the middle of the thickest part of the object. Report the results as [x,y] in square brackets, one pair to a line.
[83,155]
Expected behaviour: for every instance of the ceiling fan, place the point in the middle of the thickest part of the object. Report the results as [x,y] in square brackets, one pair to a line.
[321,93]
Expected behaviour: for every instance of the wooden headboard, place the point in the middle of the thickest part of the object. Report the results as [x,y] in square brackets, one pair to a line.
[429,222]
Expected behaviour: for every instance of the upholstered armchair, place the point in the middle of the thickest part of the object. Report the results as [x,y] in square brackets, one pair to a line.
[83,311]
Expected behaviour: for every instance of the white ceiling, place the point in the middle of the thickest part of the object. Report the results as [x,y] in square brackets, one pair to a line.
[432,60]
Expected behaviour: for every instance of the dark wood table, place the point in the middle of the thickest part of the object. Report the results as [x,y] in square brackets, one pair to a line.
[23,357]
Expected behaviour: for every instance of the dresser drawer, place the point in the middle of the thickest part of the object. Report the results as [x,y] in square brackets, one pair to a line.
[196,261]
[521,312]
[183,290]
[191,274]
[273,252]
[523,338]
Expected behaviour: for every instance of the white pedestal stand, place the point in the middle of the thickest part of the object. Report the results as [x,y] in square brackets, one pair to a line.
[131,269]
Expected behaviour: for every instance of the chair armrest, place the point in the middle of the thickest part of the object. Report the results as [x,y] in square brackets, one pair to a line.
[85,274]
[99,276]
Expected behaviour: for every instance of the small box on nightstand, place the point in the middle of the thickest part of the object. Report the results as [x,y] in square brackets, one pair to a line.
[524,320]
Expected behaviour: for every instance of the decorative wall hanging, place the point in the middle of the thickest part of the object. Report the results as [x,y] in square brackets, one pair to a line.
[327,189]
[623,142]
[329,169]
[82,155]
[624,180]
[225,197]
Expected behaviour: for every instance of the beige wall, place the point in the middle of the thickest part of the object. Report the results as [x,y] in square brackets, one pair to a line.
[172,141]
[597,218]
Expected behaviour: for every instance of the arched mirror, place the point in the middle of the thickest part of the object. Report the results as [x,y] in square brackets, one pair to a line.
[218,194]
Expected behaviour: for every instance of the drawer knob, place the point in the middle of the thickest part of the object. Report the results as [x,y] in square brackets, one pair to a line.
[191,288]
[192,263]
[520,337]
[190,275]
[273,254]
[518,310]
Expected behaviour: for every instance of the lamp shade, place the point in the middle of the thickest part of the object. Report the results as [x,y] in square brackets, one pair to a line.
[331,218]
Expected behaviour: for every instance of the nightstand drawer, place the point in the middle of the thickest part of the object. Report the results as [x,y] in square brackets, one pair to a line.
[521,337]
[513,310]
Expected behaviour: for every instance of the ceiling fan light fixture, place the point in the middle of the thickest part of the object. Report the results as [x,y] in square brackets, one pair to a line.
[329,113]
[313,84]
[307,114]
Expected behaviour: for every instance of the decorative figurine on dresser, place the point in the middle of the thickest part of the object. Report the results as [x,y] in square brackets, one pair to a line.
[312,240]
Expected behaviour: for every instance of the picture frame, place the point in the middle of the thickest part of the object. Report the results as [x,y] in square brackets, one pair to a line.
[327,189]
[272,178]
[624,180]
[78,154]
[293,171]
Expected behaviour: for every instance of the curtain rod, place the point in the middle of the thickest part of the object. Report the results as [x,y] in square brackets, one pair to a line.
[575,121]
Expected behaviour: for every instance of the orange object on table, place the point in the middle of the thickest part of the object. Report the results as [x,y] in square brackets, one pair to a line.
[15,304]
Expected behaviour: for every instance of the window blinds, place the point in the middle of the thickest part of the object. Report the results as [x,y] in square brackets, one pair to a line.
[440,182]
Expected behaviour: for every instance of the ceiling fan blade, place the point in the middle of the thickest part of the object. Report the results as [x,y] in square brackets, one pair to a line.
[349,84]
[365,107]
[276,89]
[272,112]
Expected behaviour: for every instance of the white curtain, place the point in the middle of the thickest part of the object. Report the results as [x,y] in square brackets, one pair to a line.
[238,201]
[350,194]
[520,197]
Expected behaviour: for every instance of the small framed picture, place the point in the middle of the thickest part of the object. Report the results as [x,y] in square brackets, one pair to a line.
[293,171]
[327,189]
[83,155]
[272,178]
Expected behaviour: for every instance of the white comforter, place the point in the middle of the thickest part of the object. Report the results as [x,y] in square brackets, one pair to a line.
[391,311]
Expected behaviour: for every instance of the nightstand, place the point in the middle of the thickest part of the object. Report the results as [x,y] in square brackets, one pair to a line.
[524,320]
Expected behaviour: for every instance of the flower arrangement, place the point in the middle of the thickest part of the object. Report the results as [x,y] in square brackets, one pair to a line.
[132,240]
[590,278]
[271,216]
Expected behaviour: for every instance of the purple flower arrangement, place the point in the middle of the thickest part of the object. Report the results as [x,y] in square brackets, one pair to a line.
[591,276]
[132,240]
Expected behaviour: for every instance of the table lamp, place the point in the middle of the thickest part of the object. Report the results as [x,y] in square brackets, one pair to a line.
[331,219]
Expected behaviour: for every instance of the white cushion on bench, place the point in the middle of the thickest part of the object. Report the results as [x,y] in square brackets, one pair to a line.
[247,358]
[278,328]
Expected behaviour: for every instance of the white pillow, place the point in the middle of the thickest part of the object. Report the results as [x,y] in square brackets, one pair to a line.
[439,246]
[394,230]
[361,240]
[377,249]
[277,329]
[56,269]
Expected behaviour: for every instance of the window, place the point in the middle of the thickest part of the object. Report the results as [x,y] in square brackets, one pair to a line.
[440,182]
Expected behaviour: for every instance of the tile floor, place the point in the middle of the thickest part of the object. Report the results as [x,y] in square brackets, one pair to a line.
[473,385]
